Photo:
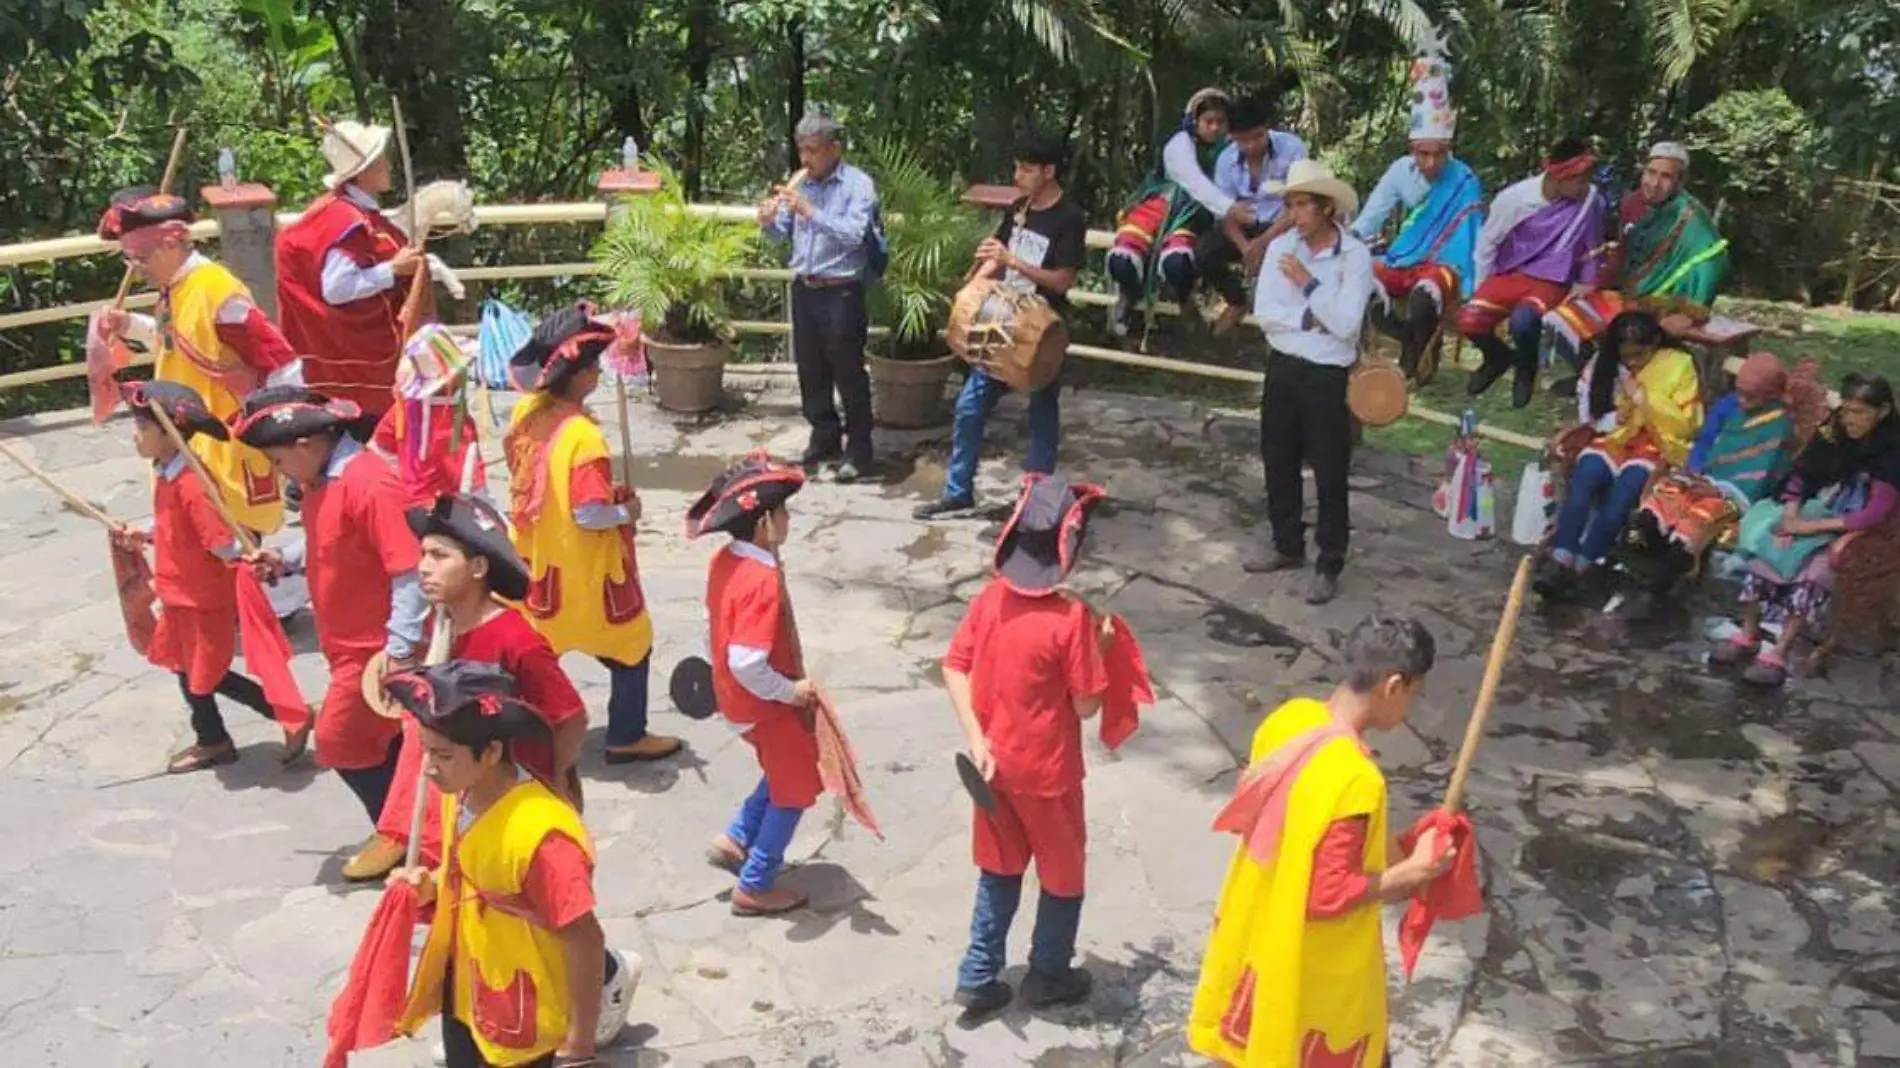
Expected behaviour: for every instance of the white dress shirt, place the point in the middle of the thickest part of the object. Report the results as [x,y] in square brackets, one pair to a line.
[1182,163]
[1321,323]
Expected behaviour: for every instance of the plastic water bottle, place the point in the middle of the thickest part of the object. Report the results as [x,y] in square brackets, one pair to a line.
[630,156]
[227,168]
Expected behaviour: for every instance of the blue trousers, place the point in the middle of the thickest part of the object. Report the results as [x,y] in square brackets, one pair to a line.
[1597,502]
[1051,944]
[974,405]
[763,830]
[627,700]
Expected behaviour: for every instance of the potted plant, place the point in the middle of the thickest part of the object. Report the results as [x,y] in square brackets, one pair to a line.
[674,266]
[932,235]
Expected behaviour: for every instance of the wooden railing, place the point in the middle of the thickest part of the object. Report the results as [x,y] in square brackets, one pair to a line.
[595,213]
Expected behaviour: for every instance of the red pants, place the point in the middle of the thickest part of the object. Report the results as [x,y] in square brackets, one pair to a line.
[350,735]
[1141,225]
[198,643]
[1052,831]
[1501,294]
[1399,281]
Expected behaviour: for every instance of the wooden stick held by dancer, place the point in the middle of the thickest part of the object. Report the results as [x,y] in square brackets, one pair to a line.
[73,500]
[245,541]
[164,186]
[1488,689]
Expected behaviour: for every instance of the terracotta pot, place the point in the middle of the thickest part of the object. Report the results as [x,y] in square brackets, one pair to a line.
[687,378]
[909,394]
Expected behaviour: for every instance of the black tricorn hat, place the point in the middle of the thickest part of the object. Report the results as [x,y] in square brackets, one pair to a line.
[433,694]
[562,344]
[481,531]
[181,404]
[283,415]
[138,207]
[1038,545]
[753,486]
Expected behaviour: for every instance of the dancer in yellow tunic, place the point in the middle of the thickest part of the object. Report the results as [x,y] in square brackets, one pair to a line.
[1294,973]
[208,334]
[574,525]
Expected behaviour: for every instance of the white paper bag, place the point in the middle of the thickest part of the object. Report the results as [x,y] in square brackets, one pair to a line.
[1473,499]
[1536,506]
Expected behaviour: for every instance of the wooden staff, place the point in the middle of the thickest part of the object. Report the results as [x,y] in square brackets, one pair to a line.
[212,490]
[80,504]
[1488,689]
[164,186]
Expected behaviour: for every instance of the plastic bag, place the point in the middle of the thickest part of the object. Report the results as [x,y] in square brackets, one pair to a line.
[1473,498]
[1535,512]
[503,331]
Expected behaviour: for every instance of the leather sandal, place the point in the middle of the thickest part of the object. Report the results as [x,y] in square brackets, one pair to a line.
[202,757]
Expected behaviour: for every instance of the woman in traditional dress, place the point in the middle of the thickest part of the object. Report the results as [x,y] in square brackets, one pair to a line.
[1823,558]
[1646,407]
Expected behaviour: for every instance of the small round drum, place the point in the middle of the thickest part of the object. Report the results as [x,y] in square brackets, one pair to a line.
[1013,335]
[1375,391]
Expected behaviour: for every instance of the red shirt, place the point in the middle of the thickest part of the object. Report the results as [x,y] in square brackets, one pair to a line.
[1029,660]
[186,527]
[746,606]
[559,884]
[591,483]
[257,342]
[509,641]
[357,541]
[430,468]
[1339,877]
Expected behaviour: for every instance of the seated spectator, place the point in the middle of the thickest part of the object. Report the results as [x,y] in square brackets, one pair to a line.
[1645,406]
[1823,558]
[1741,456]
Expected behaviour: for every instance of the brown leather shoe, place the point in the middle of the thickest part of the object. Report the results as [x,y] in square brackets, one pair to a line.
[649,747]
[770,903]
[725,854]
[378,857]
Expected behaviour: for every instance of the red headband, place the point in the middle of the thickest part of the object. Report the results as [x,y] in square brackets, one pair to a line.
[146,239]
[1565,170]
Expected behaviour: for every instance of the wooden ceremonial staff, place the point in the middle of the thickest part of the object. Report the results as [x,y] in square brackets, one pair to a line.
[80,504]
[212,490]
[164,187]
[1488,689]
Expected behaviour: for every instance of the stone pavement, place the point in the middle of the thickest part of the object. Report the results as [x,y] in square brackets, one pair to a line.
[1680,873]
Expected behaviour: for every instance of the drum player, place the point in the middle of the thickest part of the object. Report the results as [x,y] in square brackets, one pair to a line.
[1039,246]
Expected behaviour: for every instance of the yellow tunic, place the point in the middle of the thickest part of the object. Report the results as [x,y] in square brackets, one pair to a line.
[1662,415]
[584,594]
[510,973]
[191,355]
[1278,990]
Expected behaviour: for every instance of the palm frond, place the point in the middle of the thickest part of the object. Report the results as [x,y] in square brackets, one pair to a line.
[1686,29]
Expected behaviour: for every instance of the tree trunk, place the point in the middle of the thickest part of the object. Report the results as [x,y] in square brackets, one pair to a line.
[699,57]
[794,86]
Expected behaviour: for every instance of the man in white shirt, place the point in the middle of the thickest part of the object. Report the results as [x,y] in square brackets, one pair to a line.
[1251,169]
[1311,301]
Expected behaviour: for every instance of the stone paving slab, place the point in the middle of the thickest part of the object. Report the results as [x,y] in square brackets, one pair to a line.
[1680,872]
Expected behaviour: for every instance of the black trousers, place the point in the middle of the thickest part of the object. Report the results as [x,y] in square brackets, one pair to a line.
[828,330]
[1220,262]
[371,785]
[1304,420]
[206,721]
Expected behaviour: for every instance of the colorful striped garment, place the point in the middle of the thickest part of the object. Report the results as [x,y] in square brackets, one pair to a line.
[1744,452]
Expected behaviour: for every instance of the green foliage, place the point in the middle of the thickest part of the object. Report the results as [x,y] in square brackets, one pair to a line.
[932,234]
[672,265]
[1758,163]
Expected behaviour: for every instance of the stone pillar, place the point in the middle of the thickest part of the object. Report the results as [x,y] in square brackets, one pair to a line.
[617,183]
[247,237]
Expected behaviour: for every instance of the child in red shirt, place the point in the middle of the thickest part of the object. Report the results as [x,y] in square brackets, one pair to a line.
[427,433]
[759,674]
[1024,670]
[365,594]
[468,568]
[192,552]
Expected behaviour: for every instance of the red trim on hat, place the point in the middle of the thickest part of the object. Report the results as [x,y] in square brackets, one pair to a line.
[341,410]
[696,525]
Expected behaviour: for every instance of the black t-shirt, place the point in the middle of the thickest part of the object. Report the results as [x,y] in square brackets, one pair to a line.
[1054,237]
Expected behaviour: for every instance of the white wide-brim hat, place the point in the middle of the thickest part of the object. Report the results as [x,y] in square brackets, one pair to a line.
[350,147]
[1314,178]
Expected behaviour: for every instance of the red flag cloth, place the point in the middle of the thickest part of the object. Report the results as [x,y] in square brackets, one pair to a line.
[365,1011]
[1257,812]
[136,599]
[838,766]
[267,652]
[1129,686]
[1454,895]
[103,360]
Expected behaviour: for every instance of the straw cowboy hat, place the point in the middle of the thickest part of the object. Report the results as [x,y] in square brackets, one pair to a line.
[1314,178]
[349,147]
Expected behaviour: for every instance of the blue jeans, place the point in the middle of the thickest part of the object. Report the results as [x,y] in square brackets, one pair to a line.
[1051,944]
[763,830]
[974,405]
[627,700]
[1597,503]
